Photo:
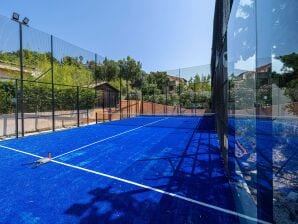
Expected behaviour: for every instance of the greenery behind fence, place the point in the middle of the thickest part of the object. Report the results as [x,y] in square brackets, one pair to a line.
[48,59]
[38,97]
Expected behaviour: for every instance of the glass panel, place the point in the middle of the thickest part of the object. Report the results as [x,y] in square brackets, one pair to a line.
[148,92]
[36,55]
[37,106]
[87,100]
[192,87]
[9,48]
[175,83]
[66,106]
[113,93]
[72,65]
[156,93]
[109,87]
[277,92]
[9,69]
[38,91]
[241,65]
[8,90]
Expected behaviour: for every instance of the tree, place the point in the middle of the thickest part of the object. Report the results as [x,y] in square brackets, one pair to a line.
[131,70]
[289,79]
[160,79]
[107,71]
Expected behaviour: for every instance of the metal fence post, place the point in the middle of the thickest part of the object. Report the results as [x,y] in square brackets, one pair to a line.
[194,97]
[167,100]
[127,101]
[163,102]
[78,107]
[142,96]
[142,103]
[53,89]
[179,94]
[152,111]
[16,109]
[95,89]
[103,105]
[115,99]
[109,104]
[120,102]
[87,116]
[136,102]
[22,78]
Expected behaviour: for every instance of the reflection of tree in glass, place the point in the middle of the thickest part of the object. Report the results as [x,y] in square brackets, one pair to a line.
[289,79]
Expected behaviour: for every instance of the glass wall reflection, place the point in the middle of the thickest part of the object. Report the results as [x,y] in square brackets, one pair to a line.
[241,66]
[263,91]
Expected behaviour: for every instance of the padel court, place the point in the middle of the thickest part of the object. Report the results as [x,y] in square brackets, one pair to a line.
[145,169]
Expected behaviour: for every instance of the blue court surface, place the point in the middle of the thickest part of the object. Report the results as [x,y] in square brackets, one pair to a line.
[274,137]
[146,169]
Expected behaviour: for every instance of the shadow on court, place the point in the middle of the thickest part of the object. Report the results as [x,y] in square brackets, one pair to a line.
[198,173]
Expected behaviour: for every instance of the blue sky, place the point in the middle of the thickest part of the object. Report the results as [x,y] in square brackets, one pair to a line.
[162,34]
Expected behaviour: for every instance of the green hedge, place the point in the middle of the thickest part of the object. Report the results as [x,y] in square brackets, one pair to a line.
[38,97]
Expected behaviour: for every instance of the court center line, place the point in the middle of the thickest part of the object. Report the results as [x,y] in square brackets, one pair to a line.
[214,207]
[105,139]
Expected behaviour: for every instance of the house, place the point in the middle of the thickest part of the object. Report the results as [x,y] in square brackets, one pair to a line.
[264,68]
[174,82]
[107,95]
[261,72]
[246,75]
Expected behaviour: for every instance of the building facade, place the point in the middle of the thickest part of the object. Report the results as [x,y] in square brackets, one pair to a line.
[255,96]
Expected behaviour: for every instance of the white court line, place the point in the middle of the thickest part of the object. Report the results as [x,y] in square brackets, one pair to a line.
[20,151]
[227,211]
[170,116]
[102,140]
